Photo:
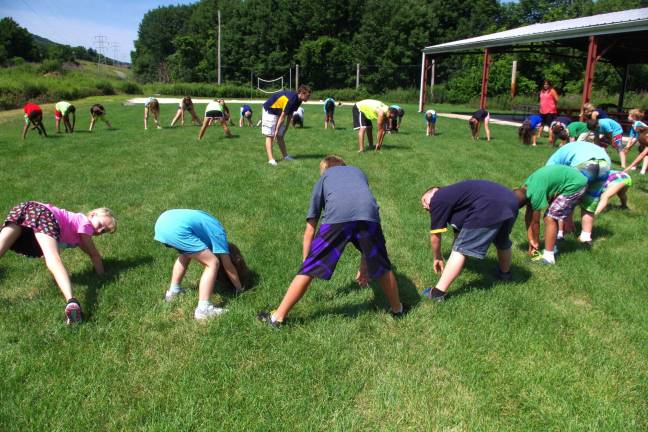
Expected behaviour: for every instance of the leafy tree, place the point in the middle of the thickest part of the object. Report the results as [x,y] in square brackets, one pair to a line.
[15,41]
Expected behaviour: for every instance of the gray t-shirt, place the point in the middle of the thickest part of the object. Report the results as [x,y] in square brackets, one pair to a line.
[344,195]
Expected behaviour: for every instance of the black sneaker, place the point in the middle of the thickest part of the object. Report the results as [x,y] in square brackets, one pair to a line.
[266,318]
[503,276]
[587,244]
[427,293]
[73,312]
[402,313]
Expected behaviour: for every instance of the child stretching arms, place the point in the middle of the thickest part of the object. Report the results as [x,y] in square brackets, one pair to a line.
[34,118]
[480,116]
[97,111]
[636,116]
[430,122]
[37,230]
[350,215]
[152,106]
[198,236]
[186,104]
[531,129]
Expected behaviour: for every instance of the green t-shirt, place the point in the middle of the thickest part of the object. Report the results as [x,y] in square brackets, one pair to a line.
[550,181]
[370,108]
[576,128]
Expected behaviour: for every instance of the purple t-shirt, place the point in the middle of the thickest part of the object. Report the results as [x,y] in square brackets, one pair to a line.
[471,204]
[72,225]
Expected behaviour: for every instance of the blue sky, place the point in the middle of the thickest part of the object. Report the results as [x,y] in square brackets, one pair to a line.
[77,22]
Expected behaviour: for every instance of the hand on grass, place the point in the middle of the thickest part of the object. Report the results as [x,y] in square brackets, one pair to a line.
[439,265]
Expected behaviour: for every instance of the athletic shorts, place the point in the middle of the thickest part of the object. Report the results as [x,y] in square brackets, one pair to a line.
[617,142]
[269,124]
[474,242]
[243,112]
[547,119]
[359,119]
[563,205]
[431,120]
[330,241]
[32,217]
[216,115]
[58,115]
[616,178]
[596,171]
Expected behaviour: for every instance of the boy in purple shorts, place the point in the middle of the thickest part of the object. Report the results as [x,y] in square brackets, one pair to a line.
[558,188]
[480,212]
[350,215]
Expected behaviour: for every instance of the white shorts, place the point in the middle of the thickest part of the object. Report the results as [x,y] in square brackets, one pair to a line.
[269,123]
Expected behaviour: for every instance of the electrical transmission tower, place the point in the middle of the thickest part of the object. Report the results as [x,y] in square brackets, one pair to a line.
[101,45]
[115,52]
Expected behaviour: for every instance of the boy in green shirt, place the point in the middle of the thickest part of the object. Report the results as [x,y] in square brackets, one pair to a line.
[558,188]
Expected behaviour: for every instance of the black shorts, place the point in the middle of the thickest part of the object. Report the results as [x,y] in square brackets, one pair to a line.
[359,119]
[216,115]
[547,119]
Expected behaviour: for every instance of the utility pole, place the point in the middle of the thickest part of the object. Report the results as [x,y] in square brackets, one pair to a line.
[115,52]
[432,77]
[357,76]
[219,50]
[514,78]
[101,43]
[296,76]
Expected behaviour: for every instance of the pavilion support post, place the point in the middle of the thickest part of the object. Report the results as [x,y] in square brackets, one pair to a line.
[485,71]
[624,87]
[589,71]
[422,95]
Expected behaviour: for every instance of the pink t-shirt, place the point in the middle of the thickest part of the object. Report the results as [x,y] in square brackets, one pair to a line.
[548,102]
[71,224]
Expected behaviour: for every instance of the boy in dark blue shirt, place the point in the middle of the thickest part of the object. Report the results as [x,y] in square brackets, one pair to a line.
[277,112]
[350,215]
[480,212]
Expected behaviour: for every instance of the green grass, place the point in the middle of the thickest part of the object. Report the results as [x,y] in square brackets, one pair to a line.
[561,348]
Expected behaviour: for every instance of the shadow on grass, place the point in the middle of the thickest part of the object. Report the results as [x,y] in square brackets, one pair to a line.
[571,243]
[406,288]
[311,156]
[226,289]
[486,268]
[113,268]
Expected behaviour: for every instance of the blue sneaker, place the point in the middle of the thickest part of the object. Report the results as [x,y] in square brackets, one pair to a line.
[427,293]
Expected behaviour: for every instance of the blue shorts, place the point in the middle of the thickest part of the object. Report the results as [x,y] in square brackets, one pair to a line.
[474,242]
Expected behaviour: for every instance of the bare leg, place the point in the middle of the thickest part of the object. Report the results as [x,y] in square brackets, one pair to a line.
[177,116]
[282,146]
[623,197]
[644,167]
[504,258]
[370,136]
[487,130]
[180,269]
[269,147]
[361,135]
[551,231]
[8,237]
[587,221]
[295,292]
[204,127]
[390,287]
[226,129]
[54,263]
[451,271]
[208,278]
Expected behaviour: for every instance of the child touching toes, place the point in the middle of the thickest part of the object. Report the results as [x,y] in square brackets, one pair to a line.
[617,183]
[350,215]
[197,236]
[152,106]
[38,230]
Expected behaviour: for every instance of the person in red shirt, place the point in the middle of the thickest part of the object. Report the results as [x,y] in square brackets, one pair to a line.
[33,117]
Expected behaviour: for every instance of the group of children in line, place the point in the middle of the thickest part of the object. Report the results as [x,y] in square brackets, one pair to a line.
[479,211]
[33,116]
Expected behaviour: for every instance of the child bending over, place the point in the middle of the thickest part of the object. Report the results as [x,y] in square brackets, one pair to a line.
[34,118]
[152,106]
[617,183]
[350,215]
[636,116]
[97,111]
[38,230]
[480,116]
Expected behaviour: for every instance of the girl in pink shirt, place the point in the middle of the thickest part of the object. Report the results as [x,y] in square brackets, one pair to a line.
[38,230]
[548,103]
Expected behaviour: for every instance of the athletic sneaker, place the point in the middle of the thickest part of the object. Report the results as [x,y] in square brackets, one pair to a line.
[266,318]
[272,162]
[170,295]
[73,312]
[402,313]
[203,313]
[289,158]
[540,259]
[426,293]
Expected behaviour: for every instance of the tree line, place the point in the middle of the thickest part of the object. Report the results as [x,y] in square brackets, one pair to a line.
[328,39]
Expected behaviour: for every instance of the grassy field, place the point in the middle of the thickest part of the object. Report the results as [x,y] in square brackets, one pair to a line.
[561,348]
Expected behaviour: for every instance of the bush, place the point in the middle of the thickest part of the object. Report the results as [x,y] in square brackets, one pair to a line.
[129,88]
[51,65]
[105,88]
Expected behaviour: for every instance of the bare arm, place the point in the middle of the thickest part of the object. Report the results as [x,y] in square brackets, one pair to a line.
[639,158]
[25,129]
[435,242]
[381,129]
[532,220]
[309,233]
[280,122]
[231,272]
[88,246]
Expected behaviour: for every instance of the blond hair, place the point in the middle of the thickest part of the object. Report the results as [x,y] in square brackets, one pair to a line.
[636,114]
[331,161]
[104,211]
[588,108]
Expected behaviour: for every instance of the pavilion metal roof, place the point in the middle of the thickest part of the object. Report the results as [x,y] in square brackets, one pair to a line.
[571,32]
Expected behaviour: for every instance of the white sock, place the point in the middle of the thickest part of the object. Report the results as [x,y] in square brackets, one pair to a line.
[175,288]
[202,304]
[585,236]
[561,235]
[549,256]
